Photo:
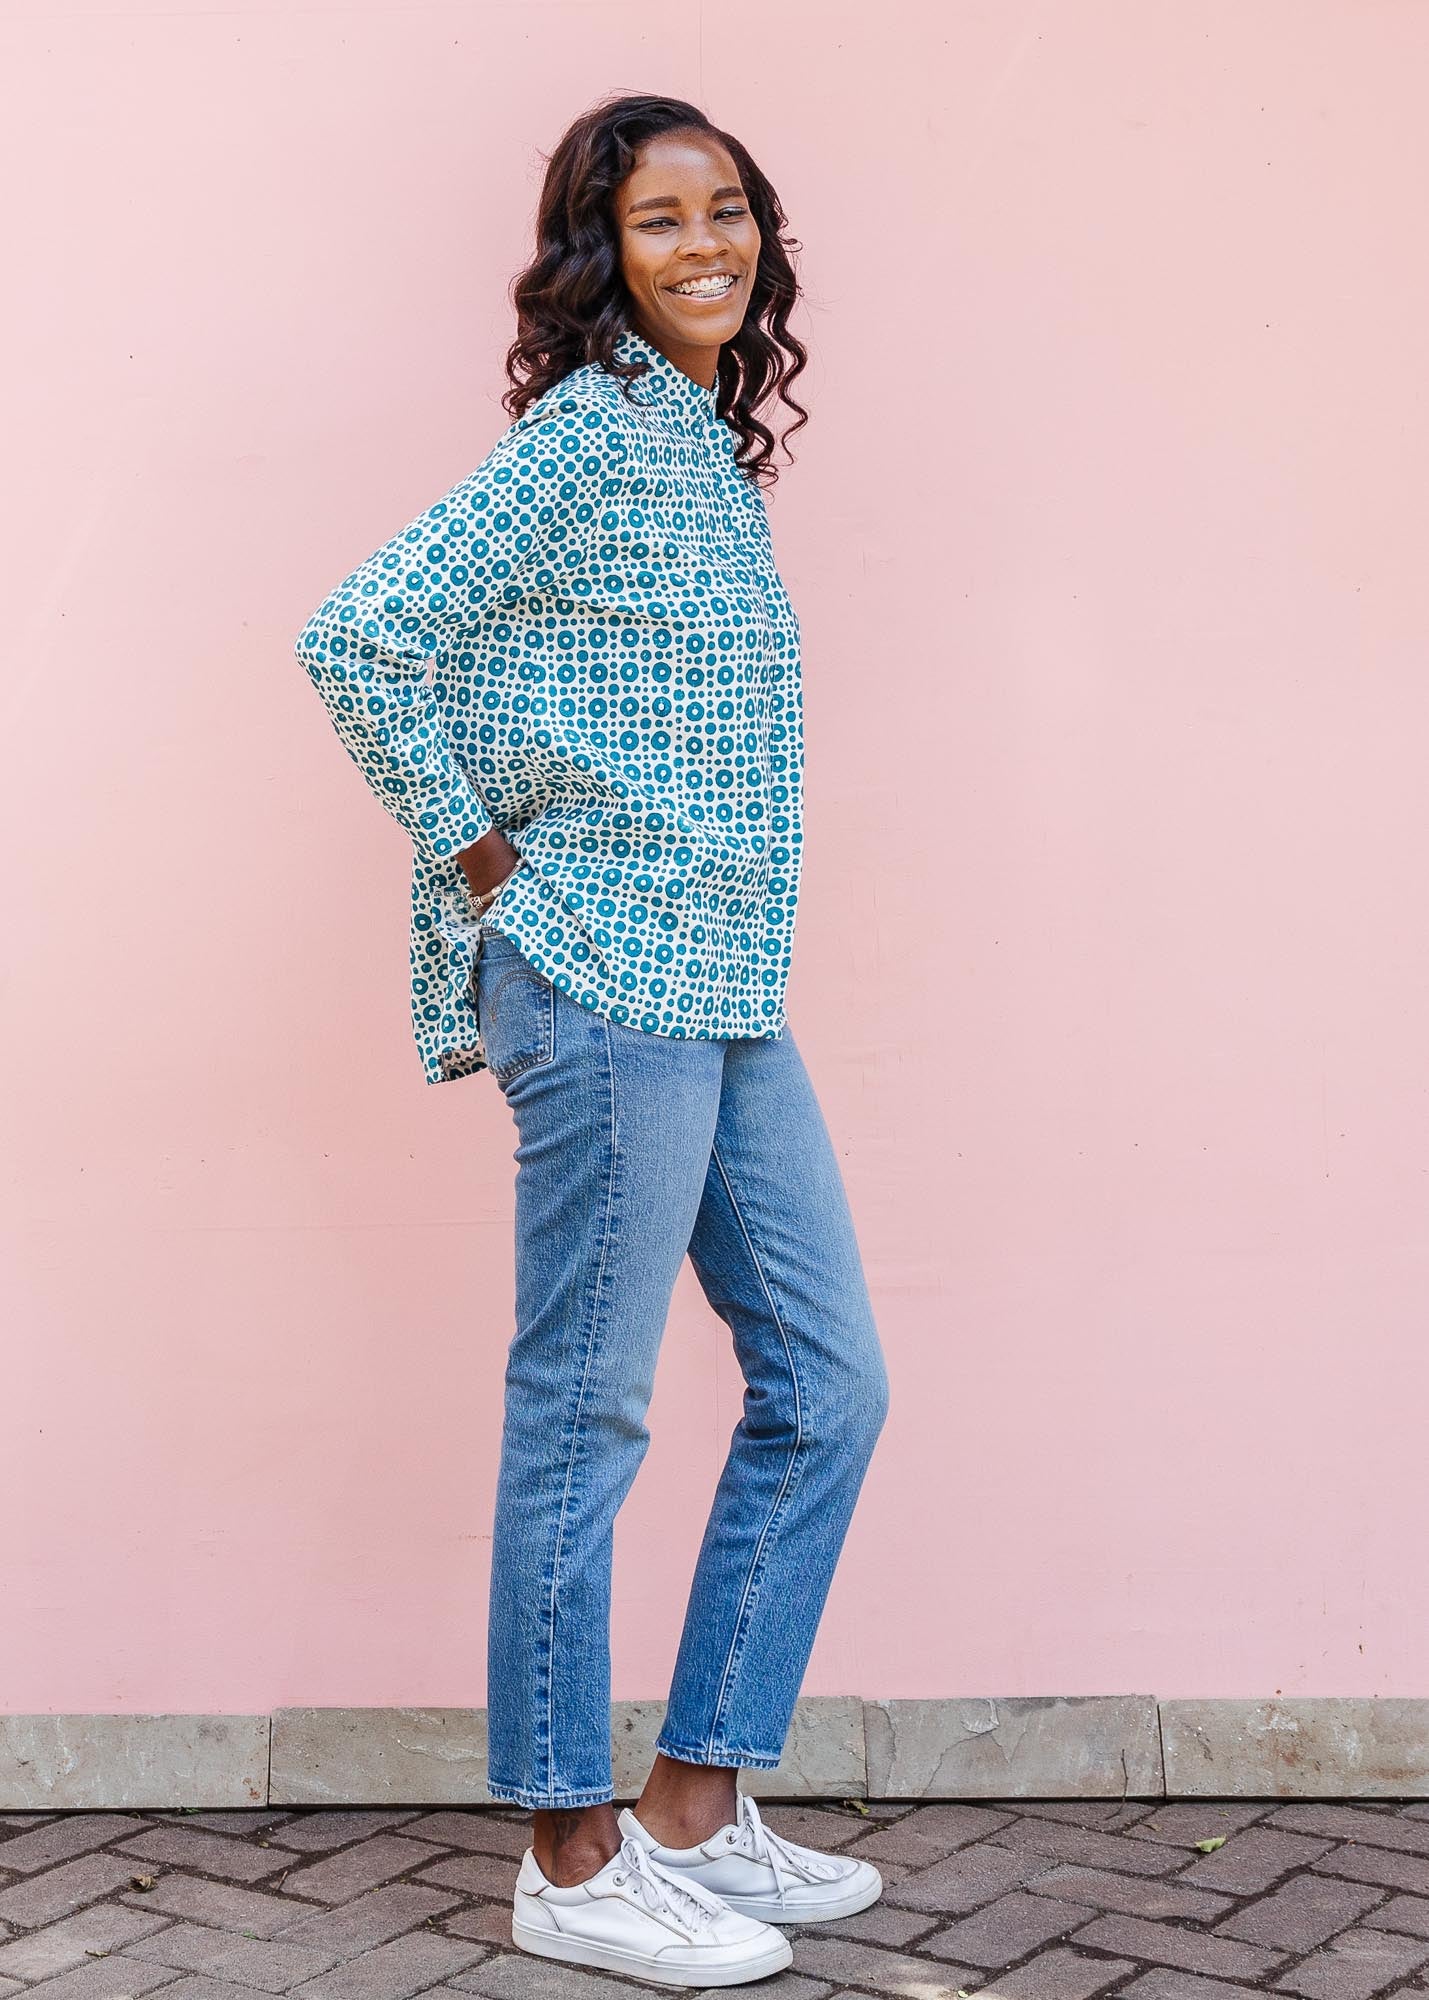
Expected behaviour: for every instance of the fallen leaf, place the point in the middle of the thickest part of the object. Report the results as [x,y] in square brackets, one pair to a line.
[1210,1846]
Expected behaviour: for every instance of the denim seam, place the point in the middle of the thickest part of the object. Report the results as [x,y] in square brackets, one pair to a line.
[756,1560]
[576,1422]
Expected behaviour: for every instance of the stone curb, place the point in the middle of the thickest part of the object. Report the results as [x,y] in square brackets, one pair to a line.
[840,1746]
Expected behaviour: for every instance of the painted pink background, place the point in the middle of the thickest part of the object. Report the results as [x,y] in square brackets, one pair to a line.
[1107,536]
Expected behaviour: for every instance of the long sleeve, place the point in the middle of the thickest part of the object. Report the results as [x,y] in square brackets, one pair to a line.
[374,646]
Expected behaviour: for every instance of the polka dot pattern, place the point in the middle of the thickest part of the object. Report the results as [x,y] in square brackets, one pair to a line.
[586,642]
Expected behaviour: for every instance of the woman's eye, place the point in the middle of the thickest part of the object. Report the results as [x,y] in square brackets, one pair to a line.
[659,221]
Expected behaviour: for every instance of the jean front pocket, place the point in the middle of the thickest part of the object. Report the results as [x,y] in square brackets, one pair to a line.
[516,1010]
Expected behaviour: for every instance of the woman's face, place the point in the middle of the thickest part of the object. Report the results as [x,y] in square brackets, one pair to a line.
[681,215]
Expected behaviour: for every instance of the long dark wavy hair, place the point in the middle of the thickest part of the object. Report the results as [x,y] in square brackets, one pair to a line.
[571,300]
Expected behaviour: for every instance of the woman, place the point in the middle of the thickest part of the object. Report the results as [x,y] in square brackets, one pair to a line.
[574,681]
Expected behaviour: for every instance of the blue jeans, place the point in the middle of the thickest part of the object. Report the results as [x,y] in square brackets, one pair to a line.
[635,1149]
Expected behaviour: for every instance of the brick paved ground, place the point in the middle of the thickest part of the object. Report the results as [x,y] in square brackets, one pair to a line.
[1029,1902]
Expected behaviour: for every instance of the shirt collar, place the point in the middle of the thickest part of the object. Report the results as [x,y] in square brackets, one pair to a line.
[687,403]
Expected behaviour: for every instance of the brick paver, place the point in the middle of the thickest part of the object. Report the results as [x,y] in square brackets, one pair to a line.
[927,1834]
[198,1986]
[1376,1829]
[370,1920]
[1376,1864]
[103,1979]
[210,1853]
[883,1925]
[55,1892]
[492,1875]
[965,1881]
[1089,1847]
[1256,1860]
[518,1977]
[1404,1913]
[263,1962]
[845,1963]
[1008,1900]
[1307,1911]
[1178,1946]
[57,1948]
[1356,1965]
[1132,1895]
[1182,1822]
[366,1864]
[217,1903]
[1062,1974]
[1163,1984]
[408,1965]
[66,1836]
[1111,1815]
[320,1832]
[1008,1930]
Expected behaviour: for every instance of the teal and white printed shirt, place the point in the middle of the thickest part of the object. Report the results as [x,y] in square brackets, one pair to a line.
[586,643]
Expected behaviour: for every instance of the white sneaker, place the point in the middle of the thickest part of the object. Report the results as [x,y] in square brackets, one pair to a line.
[761,1874]
[633,1917]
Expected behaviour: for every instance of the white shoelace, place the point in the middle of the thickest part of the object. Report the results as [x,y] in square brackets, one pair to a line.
[686,1902]
[779,1855]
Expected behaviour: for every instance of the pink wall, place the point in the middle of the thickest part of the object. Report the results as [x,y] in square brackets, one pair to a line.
[1112,968]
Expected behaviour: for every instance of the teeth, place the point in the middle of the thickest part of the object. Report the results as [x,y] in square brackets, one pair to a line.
[704,287]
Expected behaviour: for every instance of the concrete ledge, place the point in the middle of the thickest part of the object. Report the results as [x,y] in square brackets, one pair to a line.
[379,1757]
[1030,1747]
[109,1762]
[1314,1747]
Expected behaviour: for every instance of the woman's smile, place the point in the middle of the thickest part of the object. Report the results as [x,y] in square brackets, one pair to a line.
[710,285]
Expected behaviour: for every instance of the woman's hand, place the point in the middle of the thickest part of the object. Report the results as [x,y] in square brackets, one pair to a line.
[488,861]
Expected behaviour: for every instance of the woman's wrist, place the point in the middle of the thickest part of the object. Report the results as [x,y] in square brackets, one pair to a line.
[487,864]
[484,898]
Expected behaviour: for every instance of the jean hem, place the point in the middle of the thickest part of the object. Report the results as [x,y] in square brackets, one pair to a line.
[522,1795]
[703,1753]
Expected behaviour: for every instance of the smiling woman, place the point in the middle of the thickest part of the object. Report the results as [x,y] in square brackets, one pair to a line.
[653,217]
[575,681]
[687,248]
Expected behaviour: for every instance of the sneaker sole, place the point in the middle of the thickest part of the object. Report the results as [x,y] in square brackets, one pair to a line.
[573,1951]
[771,1912]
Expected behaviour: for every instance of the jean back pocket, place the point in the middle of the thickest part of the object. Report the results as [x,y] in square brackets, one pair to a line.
[515,1010]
